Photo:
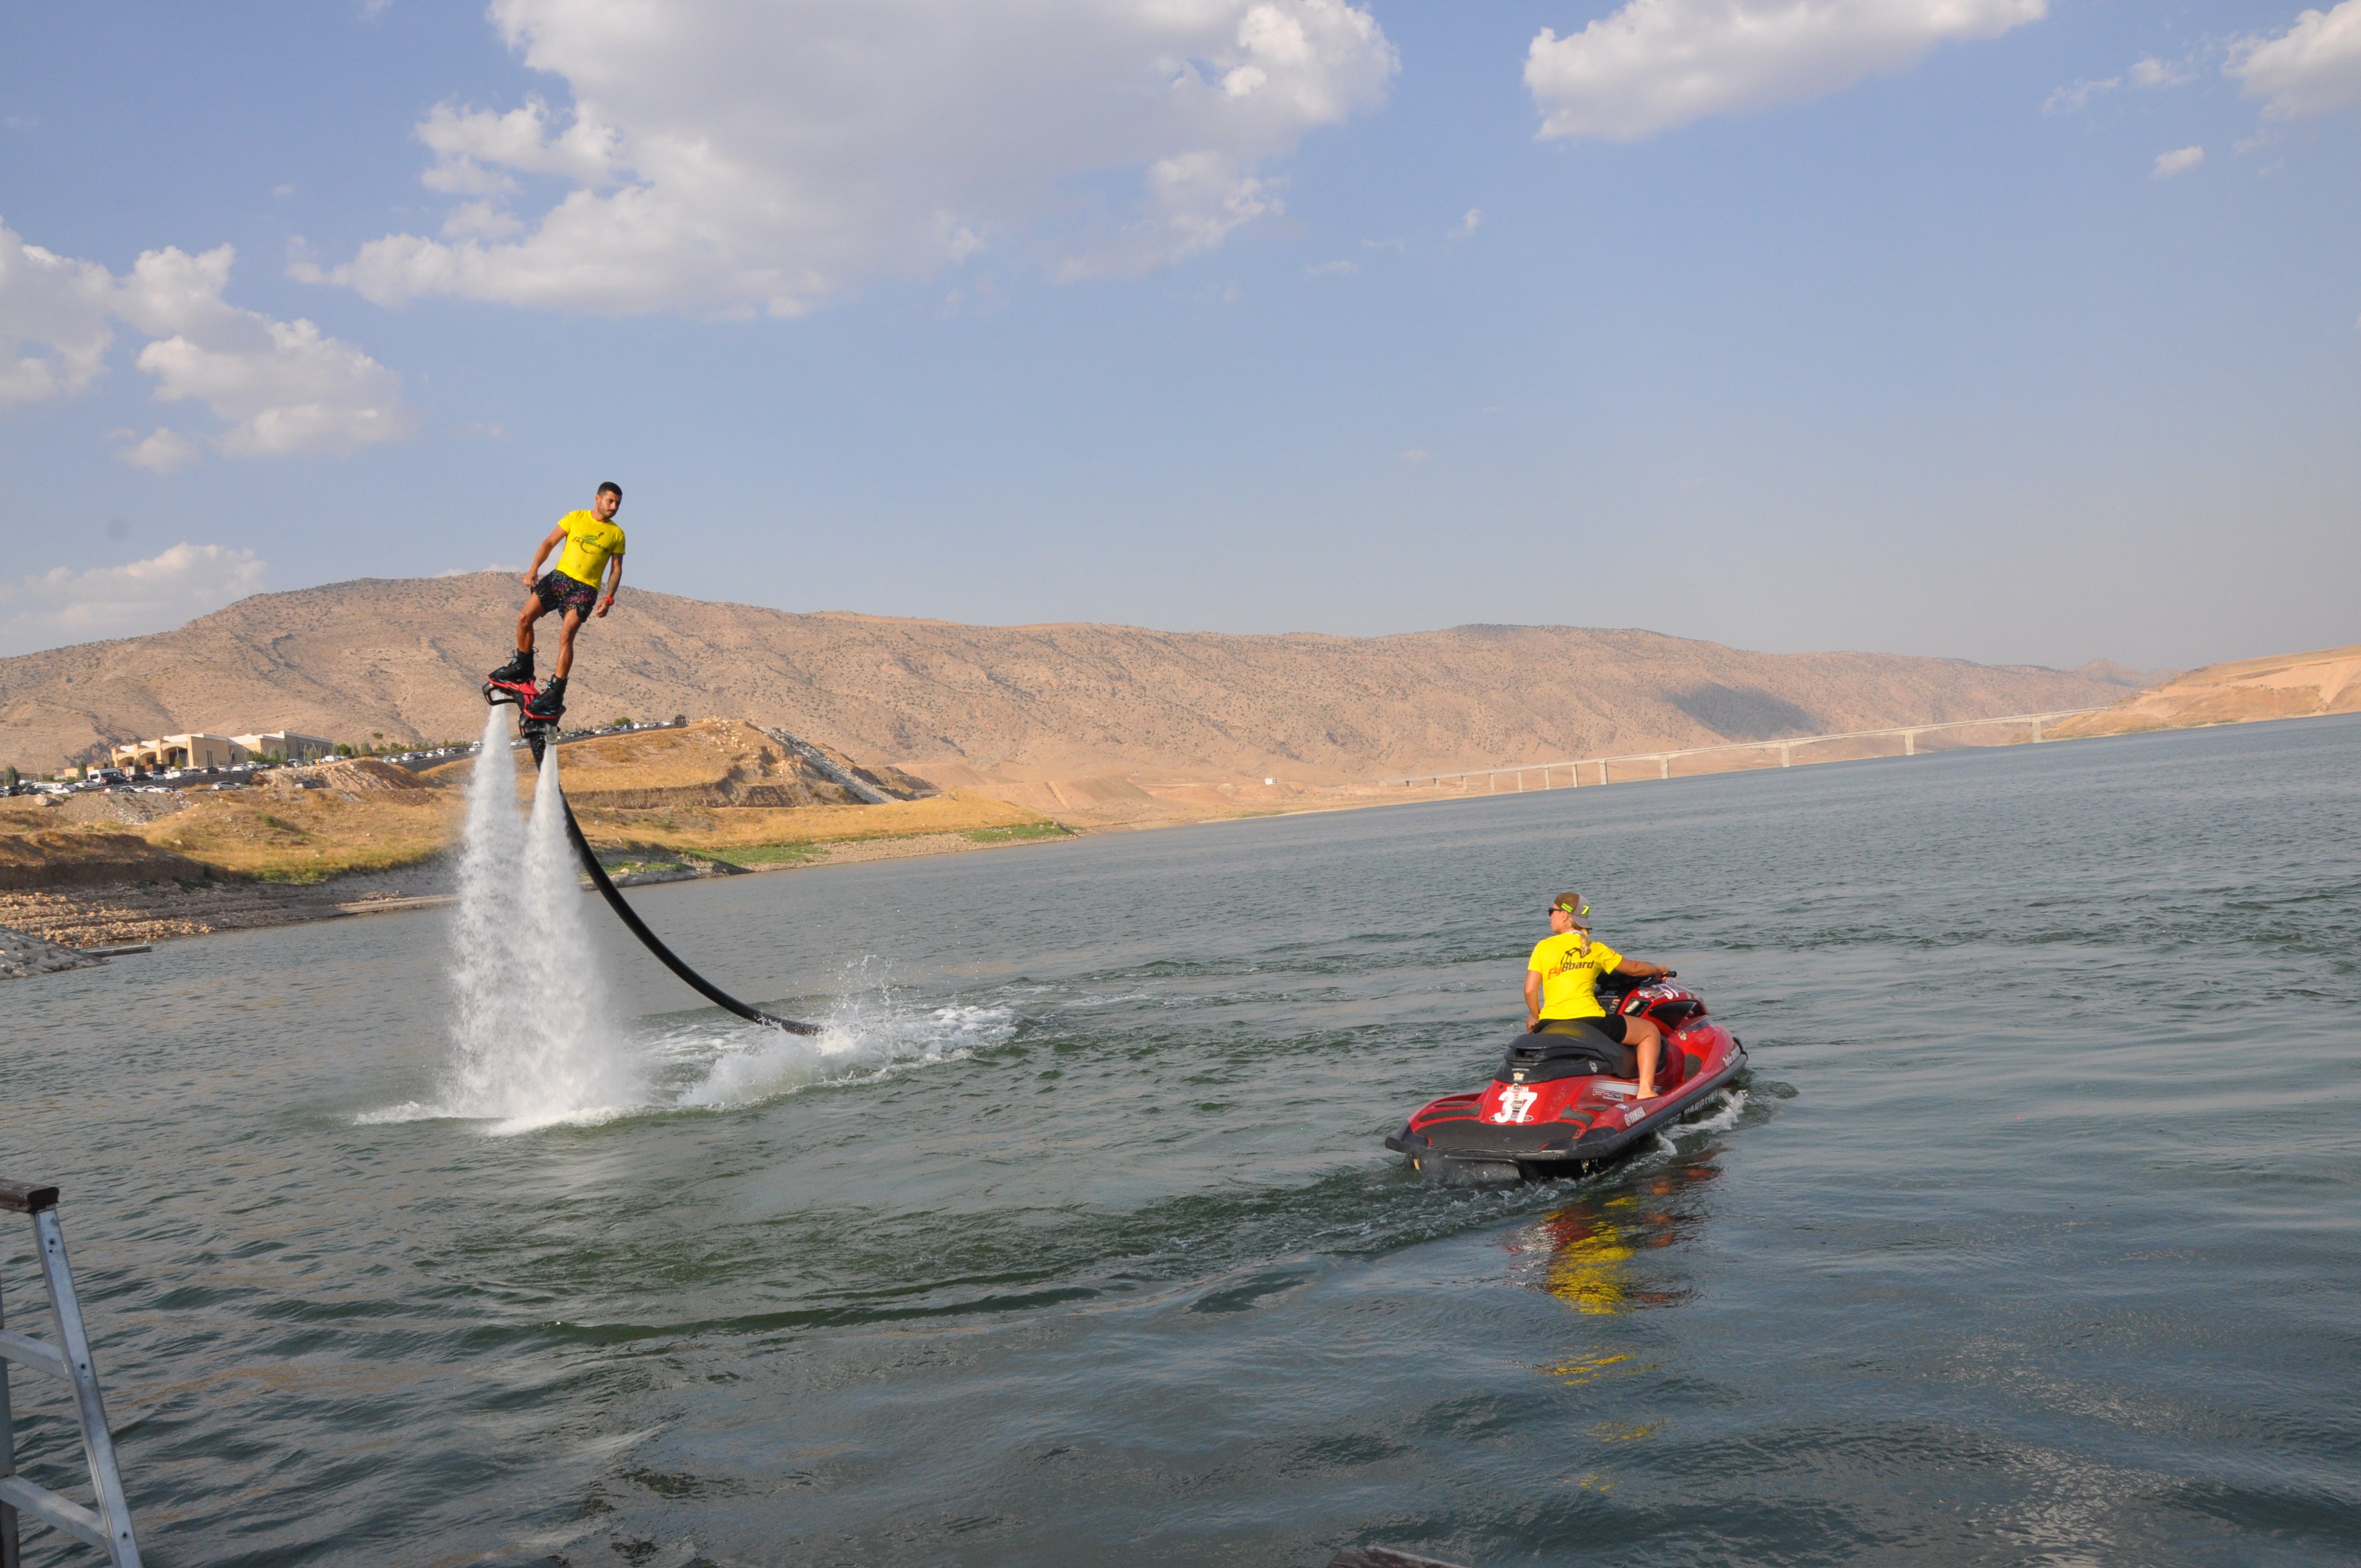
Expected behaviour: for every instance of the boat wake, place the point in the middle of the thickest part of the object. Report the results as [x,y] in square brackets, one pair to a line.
[1733,1106]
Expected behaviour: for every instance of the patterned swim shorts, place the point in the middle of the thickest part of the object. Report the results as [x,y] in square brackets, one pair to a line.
[560,593]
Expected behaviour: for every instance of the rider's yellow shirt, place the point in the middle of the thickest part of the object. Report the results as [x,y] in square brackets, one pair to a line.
[589,545]
[1570,967]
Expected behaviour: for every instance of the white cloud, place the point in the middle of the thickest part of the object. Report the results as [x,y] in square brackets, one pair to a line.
[480,220]
[1338,269]
[472,148]
[53,322]
[2177,162]
[1415,454]
[161,451]
[2313,68]
[721,157]
[65,605]
[283,387]
[1659,63]
[1468,225]
[2074,98]
[2148,74]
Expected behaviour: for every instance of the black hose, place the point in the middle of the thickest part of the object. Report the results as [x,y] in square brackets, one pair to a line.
[703,986]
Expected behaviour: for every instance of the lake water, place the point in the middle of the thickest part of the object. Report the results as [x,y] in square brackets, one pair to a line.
[2033,1237]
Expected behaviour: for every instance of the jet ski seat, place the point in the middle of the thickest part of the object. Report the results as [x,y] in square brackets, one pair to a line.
[1565,1048]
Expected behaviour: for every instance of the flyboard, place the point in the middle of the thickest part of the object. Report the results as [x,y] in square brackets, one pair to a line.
[539,733]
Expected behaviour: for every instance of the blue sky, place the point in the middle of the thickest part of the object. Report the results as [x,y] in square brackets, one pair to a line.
[2013,331]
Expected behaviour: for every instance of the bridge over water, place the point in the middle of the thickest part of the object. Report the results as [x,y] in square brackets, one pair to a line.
[1663,760]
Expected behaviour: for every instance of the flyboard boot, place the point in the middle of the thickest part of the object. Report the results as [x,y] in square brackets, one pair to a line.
[548,705]
[537,718]
[512,682]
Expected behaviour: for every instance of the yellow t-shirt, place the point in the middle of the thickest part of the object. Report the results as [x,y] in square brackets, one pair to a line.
[1570,971]
[589,545]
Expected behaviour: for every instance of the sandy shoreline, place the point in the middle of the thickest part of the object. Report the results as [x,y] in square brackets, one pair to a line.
[121,914]
[126,913]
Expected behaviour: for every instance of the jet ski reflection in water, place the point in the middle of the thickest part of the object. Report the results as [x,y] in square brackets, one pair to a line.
[1585,1250]
[1567,1097]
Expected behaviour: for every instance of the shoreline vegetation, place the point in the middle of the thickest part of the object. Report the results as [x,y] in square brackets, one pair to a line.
[359,836]
[724,798]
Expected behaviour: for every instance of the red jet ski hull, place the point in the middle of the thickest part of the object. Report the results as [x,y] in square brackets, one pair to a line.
[1543,1118]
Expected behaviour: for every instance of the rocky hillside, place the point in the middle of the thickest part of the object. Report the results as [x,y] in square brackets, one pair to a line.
[405,657]
[2286,686]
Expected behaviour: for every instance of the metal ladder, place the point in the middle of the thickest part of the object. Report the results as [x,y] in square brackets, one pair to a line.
[109,1528]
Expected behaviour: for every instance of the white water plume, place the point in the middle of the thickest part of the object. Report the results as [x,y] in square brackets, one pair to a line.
[532,1041]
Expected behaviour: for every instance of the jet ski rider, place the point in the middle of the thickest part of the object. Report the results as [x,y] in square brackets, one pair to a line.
[1561,987]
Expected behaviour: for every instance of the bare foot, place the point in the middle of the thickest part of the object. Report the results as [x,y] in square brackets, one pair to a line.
[1647,1093]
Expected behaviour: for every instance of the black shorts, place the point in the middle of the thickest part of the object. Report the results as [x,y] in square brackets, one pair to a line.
[1615,1026]
[1611,1033]
[559,593]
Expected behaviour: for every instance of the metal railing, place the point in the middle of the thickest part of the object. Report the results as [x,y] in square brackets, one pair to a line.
[109,1527]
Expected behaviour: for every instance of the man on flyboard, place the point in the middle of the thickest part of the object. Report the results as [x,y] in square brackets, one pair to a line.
[594,545]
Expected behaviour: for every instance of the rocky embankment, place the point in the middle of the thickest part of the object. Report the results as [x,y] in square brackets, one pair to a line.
[22,955]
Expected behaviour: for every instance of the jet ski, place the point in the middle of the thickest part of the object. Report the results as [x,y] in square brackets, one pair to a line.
[1565,1104]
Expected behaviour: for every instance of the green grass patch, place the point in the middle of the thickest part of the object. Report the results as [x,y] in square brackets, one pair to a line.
[1024,833]
[637,868]
[791,854]
[327,870]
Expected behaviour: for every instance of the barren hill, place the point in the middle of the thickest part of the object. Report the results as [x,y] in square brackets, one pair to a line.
[967,705]
[2286,686]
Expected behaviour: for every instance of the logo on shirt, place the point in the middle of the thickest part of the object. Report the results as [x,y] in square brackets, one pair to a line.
[1573,966]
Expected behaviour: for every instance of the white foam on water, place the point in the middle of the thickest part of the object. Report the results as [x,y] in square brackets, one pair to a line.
[1666,1140]
[408,1111]
[867,1035]
[1733,1104]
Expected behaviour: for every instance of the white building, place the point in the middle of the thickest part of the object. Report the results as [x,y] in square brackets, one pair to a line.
[179,752]
[221,751]
[286,745]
